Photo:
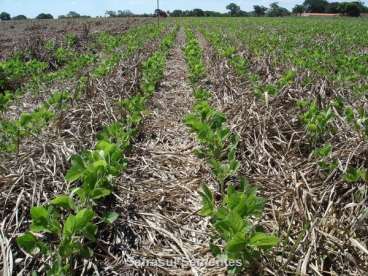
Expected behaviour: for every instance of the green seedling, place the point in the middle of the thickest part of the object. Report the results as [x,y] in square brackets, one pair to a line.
[58,99]
[354,175]
[5,99]
[242,240]
[69,220]
[325,162]
[69,234]
[95,169]
[193,54]
[315,120]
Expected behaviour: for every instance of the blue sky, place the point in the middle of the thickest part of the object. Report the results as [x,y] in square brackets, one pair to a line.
[32,8]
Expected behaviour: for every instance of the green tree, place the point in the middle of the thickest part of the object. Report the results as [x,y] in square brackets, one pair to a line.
[318,6]
[234,9]
[213,13]
[352,9]
[298,9]
[125,13]
[4,16]
[44,16]
[19,17]
[275,10]
[73,14]
[198,12]
[259,10]
[333,7]
[111,13]
[177,13]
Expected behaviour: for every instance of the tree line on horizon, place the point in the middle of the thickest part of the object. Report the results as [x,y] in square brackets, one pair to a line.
[354,8]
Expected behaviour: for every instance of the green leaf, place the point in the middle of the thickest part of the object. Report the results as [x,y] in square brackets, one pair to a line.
[63,201]
[100,193]
[105,146]
[236,245]
[354,175]
[69,226]
[82,218]
[90,232]
[232,223]
[40,219]
[208,202]
[323,151]
[39,212]
[76,170]
[31,244]
[97,165]
[110,217]
[349,114]
[85,251]
[263,240]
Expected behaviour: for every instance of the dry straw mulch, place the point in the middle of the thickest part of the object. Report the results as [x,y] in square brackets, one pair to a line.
[159,231]
[320,219]
[36,174]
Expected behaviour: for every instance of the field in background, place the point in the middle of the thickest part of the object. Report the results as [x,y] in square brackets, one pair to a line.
[281,102]
[16,34]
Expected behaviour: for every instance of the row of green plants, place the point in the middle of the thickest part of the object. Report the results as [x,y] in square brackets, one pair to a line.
[326,52]
[66,228]
[194,57]
[121,47]
[332,49]
[31,123]
[14,131]
[225,49]
[30,69]
[316,120]
[29,64]
[103,54]
[232,209]
[13,72]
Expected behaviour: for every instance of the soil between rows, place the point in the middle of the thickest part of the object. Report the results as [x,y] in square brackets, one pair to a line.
[161,184]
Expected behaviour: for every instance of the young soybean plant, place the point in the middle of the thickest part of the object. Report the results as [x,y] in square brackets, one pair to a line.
[316,121]
[5,99]
[326,163]
[240,239]
[193,55]
[69,219]
[218,143]
[30,123]
[69,232]
[236,237]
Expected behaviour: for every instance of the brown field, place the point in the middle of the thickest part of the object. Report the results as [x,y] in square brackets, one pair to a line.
[15,35]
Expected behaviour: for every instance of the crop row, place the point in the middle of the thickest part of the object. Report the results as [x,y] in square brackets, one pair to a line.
[31,123]
[317,120]
[18,75]
[70,221]
[232,208]
[335,50]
